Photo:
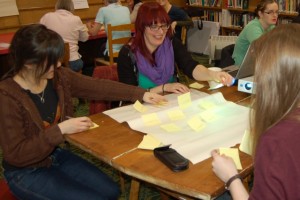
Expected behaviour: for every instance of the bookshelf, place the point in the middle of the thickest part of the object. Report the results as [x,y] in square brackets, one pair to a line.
[233,15]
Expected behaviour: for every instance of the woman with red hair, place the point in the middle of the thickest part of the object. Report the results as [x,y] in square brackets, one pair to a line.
[149,59]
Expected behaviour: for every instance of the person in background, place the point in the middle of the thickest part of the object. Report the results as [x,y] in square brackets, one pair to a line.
[36,96]
[134,6]
[149,59]
[70,28]
[297,19]
[267,15]
[274,125]
[115,14]
[178,16]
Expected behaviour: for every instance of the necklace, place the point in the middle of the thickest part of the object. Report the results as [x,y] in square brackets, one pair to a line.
[41,96]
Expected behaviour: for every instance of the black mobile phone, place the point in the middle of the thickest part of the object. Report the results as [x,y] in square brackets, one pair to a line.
[171,158]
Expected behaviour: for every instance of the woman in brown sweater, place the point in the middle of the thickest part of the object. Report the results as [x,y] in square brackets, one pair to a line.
[36,98]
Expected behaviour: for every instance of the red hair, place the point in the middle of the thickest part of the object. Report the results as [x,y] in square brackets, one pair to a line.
[149,13]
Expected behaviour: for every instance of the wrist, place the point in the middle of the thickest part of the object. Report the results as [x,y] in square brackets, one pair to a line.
[232,179]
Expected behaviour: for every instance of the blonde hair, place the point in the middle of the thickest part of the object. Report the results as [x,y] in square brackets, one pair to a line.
[277,72]
[65,5]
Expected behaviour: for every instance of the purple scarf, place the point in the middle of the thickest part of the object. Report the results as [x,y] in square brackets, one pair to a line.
[163,69]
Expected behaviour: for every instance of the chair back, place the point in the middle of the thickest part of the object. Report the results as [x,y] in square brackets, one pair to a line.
[66,58]
[103,72]
[122,41]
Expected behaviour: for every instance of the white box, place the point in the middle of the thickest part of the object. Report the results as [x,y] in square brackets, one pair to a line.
[246,85]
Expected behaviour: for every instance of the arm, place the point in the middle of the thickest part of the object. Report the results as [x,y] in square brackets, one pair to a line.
[224,168]
[83,31]
[194,70]
[93,28]
[23,141]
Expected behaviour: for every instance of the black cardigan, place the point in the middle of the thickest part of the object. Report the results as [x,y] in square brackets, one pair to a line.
[127,72]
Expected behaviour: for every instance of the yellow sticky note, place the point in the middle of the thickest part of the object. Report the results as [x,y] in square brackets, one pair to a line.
[139,107]
[94,126]
[234,154]
[170,127]
[207,105]
[184,100]
[246,144]
[208,116]
[176,115]
[196,85]
[151,119]
[196,124]
[149,142]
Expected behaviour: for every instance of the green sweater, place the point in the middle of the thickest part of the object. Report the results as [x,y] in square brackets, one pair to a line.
[251,32]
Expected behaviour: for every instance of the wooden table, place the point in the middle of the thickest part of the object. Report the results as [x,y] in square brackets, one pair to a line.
[116,143]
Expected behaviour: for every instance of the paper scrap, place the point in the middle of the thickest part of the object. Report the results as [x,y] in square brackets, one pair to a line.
[234,154]
[139,107]
[176,115]
[207,105]
[94,126]
[196,85]
[184,100]
[149,142]
[170,127]
[246,144]
[196,124]
[4,45]
[151,119]
[208,116]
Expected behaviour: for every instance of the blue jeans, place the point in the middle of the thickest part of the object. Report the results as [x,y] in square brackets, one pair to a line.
[76,65]
[68,178]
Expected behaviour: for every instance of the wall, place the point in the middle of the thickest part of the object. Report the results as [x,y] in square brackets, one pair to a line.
[30,11]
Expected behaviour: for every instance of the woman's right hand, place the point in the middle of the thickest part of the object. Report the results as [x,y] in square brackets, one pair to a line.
[75,125]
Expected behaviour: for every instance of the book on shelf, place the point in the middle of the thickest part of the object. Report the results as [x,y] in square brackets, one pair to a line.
[226,18]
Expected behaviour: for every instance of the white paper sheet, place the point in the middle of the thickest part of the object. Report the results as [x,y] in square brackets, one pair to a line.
[225,130]
[8,8]
[126,113]
[80,4]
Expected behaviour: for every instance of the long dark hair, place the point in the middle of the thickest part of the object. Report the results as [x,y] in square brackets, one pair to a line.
[149,13]
[35,45]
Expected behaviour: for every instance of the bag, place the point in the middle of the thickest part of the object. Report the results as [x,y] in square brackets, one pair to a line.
[171,158]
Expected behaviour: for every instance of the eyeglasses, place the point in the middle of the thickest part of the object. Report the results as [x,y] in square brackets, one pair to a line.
[155,27]
[271,12]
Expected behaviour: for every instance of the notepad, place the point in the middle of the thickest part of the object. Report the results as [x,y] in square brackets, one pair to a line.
[139,107]
[184,100]
[94,126]
[149,142]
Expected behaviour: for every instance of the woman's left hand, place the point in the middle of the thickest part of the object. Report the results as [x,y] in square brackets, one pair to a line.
[223,77]
[223,166]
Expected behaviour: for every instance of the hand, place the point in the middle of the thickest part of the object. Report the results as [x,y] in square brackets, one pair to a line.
[153,98]
[223,166]
[177,88]
[75,125]
[223,77]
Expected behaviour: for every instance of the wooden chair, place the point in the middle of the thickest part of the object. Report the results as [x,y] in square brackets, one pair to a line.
[103,72]
[66,58]
[111,42]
